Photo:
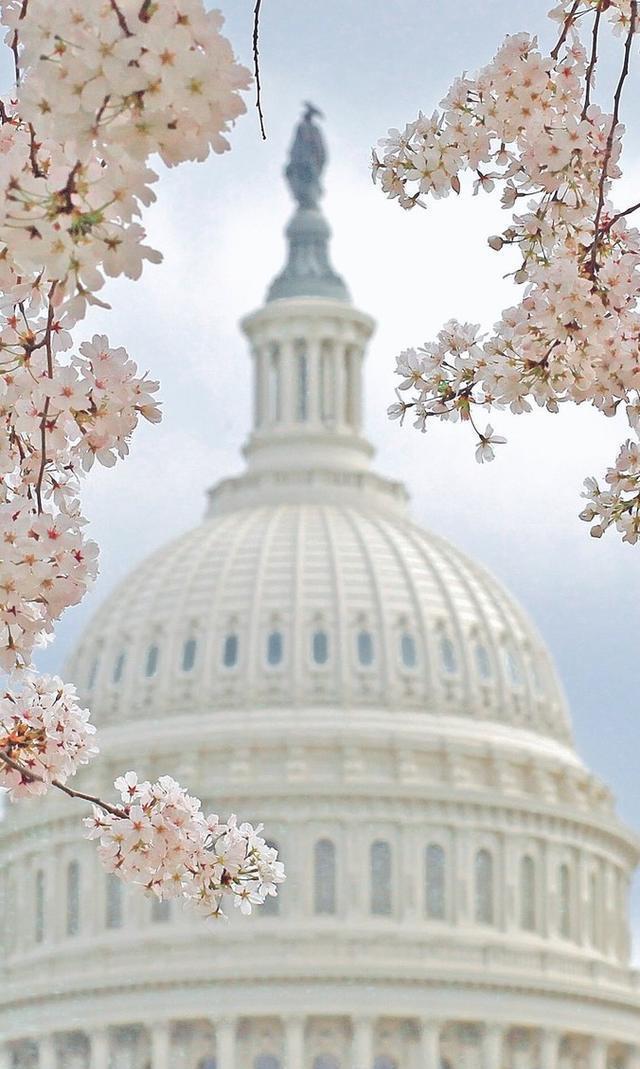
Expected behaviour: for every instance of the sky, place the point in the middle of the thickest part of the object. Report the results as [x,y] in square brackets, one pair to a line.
[370,65]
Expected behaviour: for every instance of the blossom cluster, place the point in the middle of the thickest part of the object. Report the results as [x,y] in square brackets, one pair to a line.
[100,86]
[45,732]
[86,409]
[527,122]
[161,840]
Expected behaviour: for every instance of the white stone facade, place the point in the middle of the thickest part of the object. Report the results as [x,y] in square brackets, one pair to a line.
[457,879]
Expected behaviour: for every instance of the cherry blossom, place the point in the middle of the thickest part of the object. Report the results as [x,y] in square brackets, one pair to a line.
[161,841]
[100,87]
[44,734]
[527,123]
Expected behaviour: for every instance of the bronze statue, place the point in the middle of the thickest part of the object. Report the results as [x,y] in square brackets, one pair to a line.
[307,160]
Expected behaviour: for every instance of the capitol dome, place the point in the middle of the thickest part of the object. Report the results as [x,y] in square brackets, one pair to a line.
[303,604]
[457,879]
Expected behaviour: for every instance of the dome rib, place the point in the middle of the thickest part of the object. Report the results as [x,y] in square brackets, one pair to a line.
[342,639]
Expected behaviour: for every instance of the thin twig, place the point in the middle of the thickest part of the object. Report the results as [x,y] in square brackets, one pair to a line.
[594,57]
[614,123]
[122,22]
[621,215]
[568,23]
[256,66]
[33,777]
[45,410]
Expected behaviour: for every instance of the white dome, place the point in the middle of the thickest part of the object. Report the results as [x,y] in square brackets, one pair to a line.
[353,608]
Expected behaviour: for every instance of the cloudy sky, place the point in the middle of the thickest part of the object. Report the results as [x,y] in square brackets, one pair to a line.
[370,65]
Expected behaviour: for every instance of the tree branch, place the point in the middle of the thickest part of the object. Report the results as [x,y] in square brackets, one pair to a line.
[256,66]
[594,57]
[568,23]
[610,139]
[33,777]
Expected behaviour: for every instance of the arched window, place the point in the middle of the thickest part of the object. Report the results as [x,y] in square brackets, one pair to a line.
[327,383]
[324,876]
[320,647]
[271,905]
[484,887]
[160,910]
[275,648]
[230,651]
[39,925]
[408,650]
[266,1061]
[482,662]
[514,667]
[564,901]
[189,654]
[93,673]
[73,898]
[151,663]
[448,654]
[528,894]
[118,667]
[380,871]
[207,1063]
[365,648]
[275,405]
[302,384]
[114,914]
[435,887]
[384,1061]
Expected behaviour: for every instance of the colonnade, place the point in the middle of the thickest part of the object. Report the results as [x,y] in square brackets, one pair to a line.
[485,1046]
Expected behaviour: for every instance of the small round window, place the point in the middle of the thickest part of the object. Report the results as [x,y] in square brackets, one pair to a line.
[275,648]
[151,663]
[448,654]
[118,668]
[230,651]
[365,648]
[189,654]
[320,647]
[408,650]
[483,662]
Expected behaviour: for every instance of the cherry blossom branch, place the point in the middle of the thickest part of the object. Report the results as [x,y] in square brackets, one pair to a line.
[593,59]
[33,777]
[568,23]
[256,66]
[617,100]
[122,22]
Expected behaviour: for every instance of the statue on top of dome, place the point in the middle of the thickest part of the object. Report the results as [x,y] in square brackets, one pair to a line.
[307,159]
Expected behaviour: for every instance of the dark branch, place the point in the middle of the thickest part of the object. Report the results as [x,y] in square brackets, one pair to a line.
[256,66]
[33,777]
[610,139]
[568,23]
[594,57]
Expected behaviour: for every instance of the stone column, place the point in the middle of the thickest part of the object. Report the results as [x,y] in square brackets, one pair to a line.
[6,1056]
[293,1042]
[362,1048]
[549,1048]
[99,1049]
[429,1045]
[597,1054]
[633,1058]
[47,1053]
[314,400]
[492,1047]
[226,1042]
[160,1044]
